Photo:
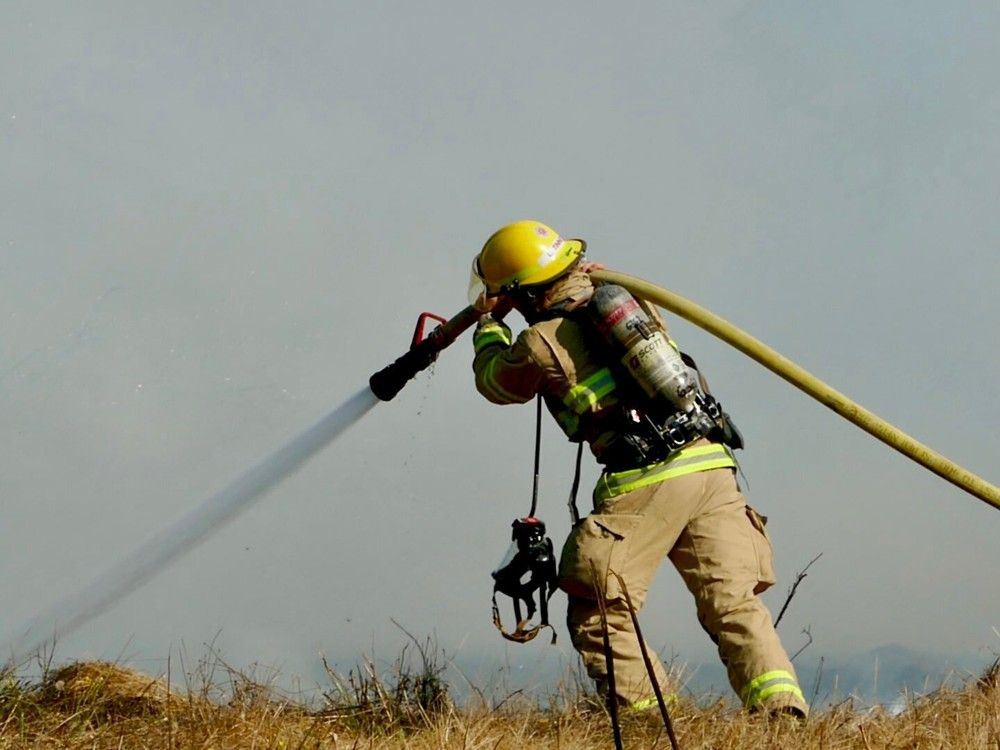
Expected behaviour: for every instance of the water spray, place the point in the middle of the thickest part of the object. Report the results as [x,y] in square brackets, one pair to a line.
[171,543]
[164,548]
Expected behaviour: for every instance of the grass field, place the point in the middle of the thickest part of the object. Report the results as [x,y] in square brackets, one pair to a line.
[99,705]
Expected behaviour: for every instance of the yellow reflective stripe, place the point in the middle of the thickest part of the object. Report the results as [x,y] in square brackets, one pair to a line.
[642,705]
[559,256]
[761,679]
[491,333]
[587,394]
[481,341]
[782,687]
[521,275]
[647,703]
[767,684]
[686,461]
[489,381]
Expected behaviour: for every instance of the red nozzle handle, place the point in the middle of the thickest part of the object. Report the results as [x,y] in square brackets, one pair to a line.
[419,333]
[388,381]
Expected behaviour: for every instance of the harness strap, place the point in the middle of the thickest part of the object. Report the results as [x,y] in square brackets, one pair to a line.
[574,512]
[538,455]
[522,633]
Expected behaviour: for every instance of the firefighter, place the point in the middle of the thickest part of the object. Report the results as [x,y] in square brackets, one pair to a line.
[668,486]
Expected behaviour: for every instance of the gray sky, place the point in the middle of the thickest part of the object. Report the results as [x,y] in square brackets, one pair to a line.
[216,221]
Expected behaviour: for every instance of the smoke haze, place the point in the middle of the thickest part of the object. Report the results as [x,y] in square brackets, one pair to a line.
[217,220]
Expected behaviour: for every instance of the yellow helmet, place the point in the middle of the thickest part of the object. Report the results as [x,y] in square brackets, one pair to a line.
[525,253]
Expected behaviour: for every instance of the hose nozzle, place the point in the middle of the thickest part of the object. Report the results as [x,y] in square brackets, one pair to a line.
[389,381]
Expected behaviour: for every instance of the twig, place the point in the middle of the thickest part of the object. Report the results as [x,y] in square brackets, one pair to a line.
[808,631]
[819,678]
[609,662]
[508,697]
[791,592]
[657,691]
[170,718]
[861,729]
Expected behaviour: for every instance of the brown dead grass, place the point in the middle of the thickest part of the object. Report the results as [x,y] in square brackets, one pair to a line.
[97,705]
[105,692]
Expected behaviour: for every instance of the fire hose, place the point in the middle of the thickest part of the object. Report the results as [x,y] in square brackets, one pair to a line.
[809,384]
[387,382]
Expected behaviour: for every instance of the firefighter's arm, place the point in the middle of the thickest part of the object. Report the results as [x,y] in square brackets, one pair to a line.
[506,372]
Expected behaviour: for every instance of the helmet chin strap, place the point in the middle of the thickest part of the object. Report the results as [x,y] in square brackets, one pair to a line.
[569,292]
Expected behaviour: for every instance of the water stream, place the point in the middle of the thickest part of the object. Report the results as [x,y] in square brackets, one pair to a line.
[165,547]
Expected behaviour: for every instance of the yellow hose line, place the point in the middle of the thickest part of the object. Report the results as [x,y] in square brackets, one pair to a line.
[808,383]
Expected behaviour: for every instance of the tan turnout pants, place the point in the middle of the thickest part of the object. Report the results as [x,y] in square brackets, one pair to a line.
[719,546]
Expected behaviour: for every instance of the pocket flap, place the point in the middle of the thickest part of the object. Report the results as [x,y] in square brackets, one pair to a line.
[619,526]
[597,544]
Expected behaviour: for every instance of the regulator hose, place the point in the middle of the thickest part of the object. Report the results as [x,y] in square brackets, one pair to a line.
[808,383]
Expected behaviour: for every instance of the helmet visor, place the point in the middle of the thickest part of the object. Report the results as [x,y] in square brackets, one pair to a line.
[477,287]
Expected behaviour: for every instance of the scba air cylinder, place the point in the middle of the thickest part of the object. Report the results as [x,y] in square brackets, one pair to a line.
[648,356]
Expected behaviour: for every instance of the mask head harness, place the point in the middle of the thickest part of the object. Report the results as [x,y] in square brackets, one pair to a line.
[528,566]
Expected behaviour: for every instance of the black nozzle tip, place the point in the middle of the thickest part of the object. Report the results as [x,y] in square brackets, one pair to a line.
[384,385]
[389,381]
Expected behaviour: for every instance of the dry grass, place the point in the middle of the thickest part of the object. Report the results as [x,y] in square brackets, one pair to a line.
[98,705]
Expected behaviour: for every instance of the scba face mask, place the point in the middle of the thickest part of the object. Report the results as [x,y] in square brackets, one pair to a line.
[530,556]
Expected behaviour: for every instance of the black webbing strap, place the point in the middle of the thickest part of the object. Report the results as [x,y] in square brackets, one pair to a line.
[574,512]
[538,456]
[522,633]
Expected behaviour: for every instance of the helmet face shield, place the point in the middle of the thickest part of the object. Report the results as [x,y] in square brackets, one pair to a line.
[477,287]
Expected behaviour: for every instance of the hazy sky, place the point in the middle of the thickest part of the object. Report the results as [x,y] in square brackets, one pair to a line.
[216,220]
